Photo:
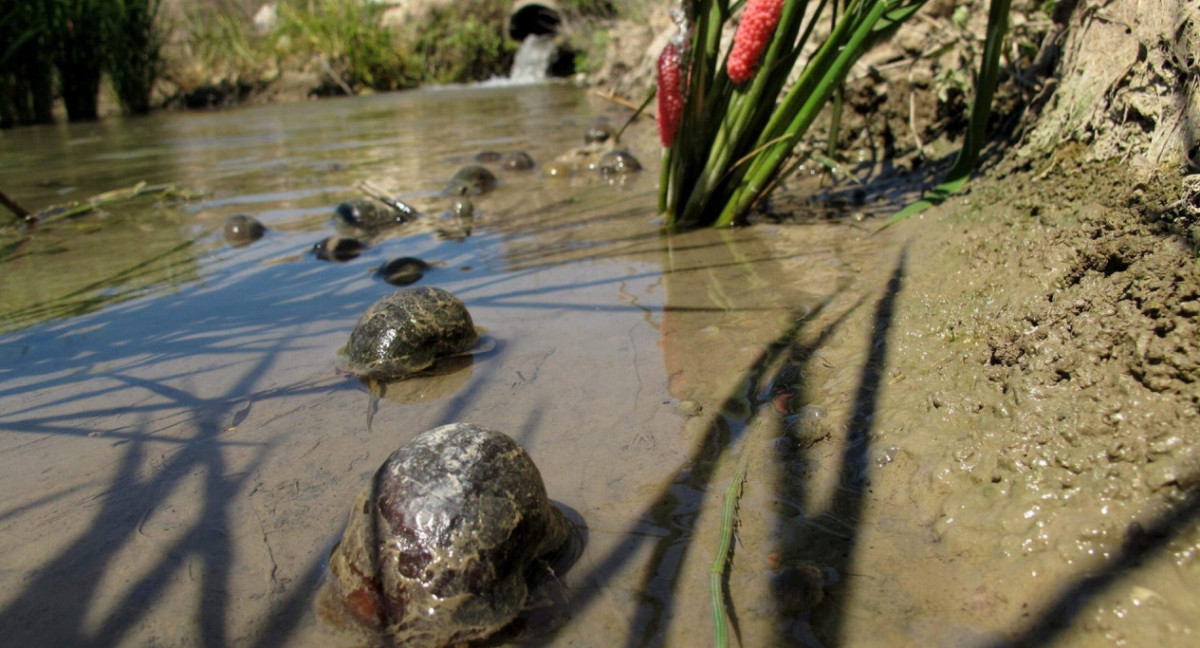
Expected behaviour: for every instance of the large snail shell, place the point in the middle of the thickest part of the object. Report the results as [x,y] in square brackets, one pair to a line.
[440,548]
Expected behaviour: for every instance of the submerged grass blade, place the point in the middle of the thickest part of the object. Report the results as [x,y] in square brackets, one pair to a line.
[716,577]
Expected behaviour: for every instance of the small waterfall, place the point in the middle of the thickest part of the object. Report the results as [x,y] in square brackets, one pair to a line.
[533,59]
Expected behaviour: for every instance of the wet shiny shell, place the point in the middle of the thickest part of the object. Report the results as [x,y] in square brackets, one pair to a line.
[518,161]
[615,162]
[439,547]
[241,229]
[471,180]
[407,331]
[338,248]
[402,271]
[598,132]
[362,215]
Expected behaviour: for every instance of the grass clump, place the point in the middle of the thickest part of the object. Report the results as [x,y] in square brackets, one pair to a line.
[347,36]
[26,64]
[348,41]
[75,42]
[463,42]
[732,130]
[133,43]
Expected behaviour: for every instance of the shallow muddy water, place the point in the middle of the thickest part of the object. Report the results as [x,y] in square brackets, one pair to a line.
[180,447]
[180,450]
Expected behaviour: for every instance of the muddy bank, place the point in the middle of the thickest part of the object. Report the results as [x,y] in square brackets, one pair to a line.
[1018,403]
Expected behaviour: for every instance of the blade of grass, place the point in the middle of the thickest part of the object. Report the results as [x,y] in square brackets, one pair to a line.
[824,81]
[981,108]
[716,574]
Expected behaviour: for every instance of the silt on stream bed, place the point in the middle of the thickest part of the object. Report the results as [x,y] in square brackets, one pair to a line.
[179,455]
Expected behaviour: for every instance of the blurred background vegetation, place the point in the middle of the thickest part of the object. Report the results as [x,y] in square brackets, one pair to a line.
[74,55]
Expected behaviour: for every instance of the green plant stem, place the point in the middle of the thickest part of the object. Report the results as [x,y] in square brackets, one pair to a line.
[981,108]
[716,574]
[747,109]
[764,167]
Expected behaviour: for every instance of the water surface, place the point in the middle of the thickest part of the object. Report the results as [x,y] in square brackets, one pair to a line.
[179,450]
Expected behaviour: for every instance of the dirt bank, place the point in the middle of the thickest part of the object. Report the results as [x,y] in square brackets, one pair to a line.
[1025,386]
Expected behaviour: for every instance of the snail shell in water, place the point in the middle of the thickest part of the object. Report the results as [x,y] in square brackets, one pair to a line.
[471,180]
[407,331]
[241,229]
[441,547]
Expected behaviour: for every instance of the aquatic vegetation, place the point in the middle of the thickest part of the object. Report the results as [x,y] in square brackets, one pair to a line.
[742,127]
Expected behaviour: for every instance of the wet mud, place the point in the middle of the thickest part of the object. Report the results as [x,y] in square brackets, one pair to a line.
[976,428]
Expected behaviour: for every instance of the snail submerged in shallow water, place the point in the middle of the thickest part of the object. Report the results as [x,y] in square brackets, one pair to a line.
[518,161]
[471,180]
[241,229]
[338,248]
[598,132]
[446,542]
[402,271]
[363,216]
[618,162]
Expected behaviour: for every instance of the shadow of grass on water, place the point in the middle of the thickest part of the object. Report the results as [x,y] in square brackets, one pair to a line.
[673,510]
[835,547]
[59,599]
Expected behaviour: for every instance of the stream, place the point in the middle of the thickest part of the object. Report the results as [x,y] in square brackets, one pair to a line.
[180,446]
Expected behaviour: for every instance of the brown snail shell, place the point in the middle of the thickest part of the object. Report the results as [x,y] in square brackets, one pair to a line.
[441,547]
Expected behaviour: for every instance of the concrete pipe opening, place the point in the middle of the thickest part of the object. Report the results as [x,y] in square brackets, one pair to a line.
[527,18]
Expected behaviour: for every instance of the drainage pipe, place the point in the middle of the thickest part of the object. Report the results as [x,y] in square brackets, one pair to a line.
[534,18]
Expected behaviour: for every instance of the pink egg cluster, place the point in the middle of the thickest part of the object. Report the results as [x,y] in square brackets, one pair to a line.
[670,94]
[753,35]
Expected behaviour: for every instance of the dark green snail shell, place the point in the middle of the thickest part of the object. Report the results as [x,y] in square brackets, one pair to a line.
[241,229]
[471,180]
[366,216]
[618,162]
[407,331]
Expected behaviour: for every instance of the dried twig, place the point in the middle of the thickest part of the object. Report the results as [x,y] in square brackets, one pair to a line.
[15,208]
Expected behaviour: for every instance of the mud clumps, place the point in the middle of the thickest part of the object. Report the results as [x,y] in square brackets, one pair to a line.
[1052,337]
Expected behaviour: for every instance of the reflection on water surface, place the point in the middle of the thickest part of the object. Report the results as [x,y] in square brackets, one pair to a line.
[178,449]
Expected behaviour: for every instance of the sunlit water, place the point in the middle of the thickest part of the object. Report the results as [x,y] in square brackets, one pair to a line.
[179,449]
